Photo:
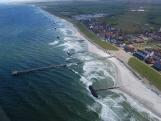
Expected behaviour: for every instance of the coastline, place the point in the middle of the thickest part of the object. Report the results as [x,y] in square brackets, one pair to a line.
[133,87]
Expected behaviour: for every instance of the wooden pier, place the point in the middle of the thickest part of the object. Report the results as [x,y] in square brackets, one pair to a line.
[60,65]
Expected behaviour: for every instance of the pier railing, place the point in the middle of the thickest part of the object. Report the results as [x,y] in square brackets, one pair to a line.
[60,65]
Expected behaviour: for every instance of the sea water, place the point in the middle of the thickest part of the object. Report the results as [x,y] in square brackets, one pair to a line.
[28,40]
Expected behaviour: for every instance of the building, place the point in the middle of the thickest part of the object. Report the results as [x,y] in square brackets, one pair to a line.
[150,52]
[138,41]
[129,48]
[122,45]
[141,54]
[157,65]
[157,38]
[148,34]
[150,60]
[157,57]
[158,34]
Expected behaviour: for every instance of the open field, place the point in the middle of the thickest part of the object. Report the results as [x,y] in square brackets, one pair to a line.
[77,8]
[94,38]
[143,46]
[127,15]
[124,25]
[153,76]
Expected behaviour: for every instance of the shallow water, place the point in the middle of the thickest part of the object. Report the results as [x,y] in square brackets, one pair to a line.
[28,40]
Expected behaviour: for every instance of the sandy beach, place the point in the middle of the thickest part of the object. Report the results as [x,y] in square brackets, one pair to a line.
[133,87]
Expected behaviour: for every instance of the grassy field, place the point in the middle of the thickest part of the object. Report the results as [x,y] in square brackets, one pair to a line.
[153,76]
[143,46]
[94,38]
[76,8]
[150,18]
[125,25]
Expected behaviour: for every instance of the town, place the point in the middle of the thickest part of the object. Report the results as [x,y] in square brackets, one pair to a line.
[136,44]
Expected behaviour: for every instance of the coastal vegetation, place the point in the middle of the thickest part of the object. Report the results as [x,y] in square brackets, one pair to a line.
[153,76]
[94,38]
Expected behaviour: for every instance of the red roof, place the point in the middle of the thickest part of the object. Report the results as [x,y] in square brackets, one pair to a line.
[139,41]
[130,46]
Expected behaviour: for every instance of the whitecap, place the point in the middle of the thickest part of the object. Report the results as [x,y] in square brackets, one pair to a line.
[54,43]
[71,46]
[66,30]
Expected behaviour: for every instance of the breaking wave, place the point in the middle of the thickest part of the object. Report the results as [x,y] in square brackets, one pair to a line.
[54,43]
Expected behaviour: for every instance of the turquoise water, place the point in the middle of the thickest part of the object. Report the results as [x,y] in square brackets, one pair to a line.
[28,40]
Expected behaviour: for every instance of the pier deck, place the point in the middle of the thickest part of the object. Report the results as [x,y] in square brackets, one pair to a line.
[53,66]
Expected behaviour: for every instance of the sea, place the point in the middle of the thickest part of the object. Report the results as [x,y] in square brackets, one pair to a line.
[28,39]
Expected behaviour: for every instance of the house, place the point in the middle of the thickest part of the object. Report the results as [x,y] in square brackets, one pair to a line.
[102,35]
[130,36]
[157,65]
[122,45]
[109,33]
[91,27]
[105,34]
[157,38]
[157,57]
[113,41]
[138,41]
[150,60]
[150,52]
[157,54]
[120,38]
[158,34]
[141,54]
[148,34]
[129,48]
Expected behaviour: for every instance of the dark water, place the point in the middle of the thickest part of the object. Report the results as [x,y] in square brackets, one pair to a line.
[28,40]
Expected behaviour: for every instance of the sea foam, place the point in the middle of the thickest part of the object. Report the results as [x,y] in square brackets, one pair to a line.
[54,43]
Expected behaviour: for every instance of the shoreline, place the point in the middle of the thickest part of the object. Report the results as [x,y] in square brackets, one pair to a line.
[135,88]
